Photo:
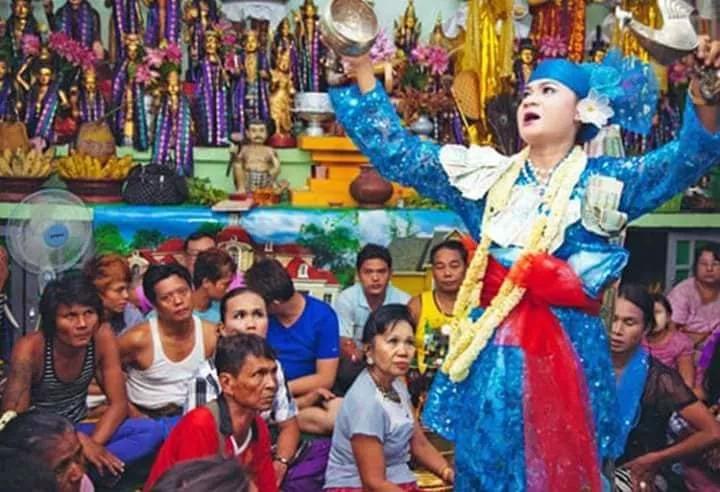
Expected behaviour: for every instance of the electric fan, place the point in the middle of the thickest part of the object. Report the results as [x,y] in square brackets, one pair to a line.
[49,232]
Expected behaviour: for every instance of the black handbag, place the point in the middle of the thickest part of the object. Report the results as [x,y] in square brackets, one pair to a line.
[154,185]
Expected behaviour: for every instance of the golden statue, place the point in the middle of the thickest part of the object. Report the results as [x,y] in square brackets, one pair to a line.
[437,36]
[407,30]
[42,101]
[281,97]
[488,50]
[643,11]
[560,19]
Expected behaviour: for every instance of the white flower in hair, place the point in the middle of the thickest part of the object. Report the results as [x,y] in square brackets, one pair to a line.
[595,109]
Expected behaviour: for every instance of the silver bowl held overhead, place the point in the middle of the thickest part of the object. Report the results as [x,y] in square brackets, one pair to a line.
[677,38]
[349,27]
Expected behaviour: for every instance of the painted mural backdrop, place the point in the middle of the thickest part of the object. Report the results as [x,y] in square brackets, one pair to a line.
[333,235]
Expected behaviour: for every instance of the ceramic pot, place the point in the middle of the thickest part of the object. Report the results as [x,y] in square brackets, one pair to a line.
[370,189]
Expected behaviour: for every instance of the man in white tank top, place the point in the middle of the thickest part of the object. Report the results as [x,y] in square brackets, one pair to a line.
[162,354]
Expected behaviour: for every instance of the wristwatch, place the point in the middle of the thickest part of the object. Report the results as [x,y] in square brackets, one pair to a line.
[282,460]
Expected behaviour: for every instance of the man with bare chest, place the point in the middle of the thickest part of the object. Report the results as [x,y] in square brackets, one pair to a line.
[162,354]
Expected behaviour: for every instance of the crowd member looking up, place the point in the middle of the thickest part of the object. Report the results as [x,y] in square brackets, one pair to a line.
[666,344]
[696,301]
[110,274]
[376,432]
[244,311]
[51,369]
[212,275]
[231,425]
[649,393]
[163,353]
[304,333]
[432,310]
[52,440]
[212,474]
[372,290]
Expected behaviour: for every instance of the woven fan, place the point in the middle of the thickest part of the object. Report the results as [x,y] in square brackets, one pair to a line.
[465,90]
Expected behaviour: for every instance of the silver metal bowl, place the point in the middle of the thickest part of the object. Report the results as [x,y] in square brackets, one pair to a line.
[349,27]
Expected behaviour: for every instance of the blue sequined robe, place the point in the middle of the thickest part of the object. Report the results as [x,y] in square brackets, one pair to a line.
[483,414]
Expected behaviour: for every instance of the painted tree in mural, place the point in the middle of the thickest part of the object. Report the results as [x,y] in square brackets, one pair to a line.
[212,228]
[147,238]
[109,240]
[334,246]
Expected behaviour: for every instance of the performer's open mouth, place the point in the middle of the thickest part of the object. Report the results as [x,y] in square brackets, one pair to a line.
[529,117]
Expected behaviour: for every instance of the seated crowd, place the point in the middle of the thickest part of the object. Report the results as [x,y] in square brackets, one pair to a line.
[242,382]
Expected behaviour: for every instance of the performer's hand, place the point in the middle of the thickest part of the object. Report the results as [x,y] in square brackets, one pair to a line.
[361,68]
[708,51]
[643,470]
[708,54]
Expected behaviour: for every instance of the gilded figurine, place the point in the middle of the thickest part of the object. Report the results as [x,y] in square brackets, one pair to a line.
[407,30]
[128,95]
[281,98]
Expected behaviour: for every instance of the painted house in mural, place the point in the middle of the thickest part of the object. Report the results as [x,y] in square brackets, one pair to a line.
[297,260]
[411,260]
[238,243]
[316,282]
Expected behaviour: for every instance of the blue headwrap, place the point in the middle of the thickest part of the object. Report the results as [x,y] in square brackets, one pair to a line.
[629,84]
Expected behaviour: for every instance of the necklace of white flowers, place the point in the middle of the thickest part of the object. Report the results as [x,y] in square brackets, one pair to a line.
[467,337]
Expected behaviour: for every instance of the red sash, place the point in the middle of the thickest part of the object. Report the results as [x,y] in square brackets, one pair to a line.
[560,448]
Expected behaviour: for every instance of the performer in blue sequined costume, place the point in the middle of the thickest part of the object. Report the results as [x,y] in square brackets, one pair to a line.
[484,413]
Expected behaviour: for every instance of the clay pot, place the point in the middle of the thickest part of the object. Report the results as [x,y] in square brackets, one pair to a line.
[370,189]
[96,140]
[13,135]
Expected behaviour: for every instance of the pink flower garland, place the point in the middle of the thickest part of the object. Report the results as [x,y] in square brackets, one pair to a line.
[434,58]
[383,49]
[553,47]
[149,71]
[72,51]
[30,45]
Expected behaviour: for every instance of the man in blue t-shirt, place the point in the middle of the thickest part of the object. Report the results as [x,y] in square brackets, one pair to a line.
[305,334]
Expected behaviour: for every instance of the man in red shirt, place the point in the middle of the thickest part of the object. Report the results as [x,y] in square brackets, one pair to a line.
[246,368]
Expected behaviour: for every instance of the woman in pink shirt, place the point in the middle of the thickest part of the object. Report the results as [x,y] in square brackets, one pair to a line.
[667,344]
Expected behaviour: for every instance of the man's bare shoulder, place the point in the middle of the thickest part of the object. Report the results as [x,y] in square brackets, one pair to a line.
[138,336]
[29,346]
[210,334]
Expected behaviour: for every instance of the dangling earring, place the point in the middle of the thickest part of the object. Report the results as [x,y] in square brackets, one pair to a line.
[369,360]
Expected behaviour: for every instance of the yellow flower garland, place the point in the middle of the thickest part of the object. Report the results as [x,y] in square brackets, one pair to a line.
[468,338]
